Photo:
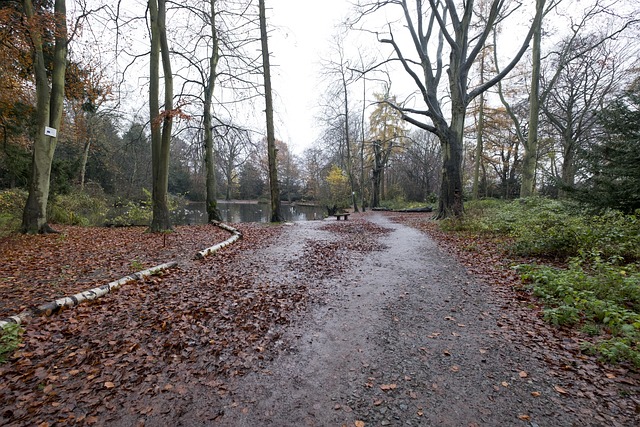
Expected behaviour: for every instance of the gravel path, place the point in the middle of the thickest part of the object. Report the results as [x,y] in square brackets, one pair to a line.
[403,337]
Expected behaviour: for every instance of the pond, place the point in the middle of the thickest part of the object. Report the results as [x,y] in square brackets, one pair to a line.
[246,211]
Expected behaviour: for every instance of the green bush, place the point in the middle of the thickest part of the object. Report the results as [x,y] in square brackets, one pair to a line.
[10,339]
[139,212]
[11,205]
[132,213]
[550,228]
[77,208]
[602,296]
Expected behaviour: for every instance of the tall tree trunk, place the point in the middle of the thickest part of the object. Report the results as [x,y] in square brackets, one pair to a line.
[49,106]
[530,157]
[349,159]
[451,199]
[160,124]
[272,153]
[364,101]
[213,213]
[83,162]
[479,136]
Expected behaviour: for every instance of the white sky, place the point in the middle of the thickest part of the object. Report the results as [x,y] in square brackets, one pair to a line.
[302,33]
[303,30]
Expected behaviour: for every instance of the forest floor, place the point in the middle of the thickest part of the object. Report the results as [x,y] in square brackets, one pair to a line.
[379,320]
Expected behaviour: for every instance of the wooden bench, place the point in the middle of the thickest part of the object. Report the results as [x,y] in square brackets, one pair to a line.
[345,215]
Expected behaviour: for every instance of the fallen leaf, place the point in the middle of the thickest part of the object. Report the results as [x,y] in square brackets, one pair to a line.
[504,384]
[455,368]
[359,423]
[524,417]
[109,384]
[378,402]
[535,393]
[523,374]
[560,389]
[386,387]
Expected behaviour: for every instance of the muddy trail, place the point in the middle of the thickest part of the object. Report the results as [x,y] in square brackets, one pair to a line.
[403,336]
[365,322]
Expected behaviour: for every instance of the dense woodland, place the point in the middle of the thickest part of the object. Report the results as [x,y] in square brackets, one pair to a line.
[556,115]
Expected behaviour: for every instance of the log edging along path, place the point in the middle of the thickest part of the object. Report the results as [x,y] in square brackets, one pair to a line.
[56,306]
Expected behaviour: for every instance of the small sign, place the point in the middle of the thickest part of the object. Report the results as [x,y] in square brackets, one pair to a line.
[50,132]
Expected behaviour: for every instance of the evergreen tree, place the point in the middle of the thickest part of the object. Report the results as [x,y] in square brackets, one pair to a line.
[614,163]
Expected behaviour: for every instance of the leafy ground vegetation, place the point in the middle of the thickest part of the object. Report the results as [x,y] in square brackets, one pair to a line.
[583,268]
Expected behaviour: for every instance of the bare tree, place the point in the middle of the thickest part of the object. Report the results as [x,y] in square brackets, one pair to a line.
[340,75]
[583,87]
[161,123]
[276,215]
[433,26]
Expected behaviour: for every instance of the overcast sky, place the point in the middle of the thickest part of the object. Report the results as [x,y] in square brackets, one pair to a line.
[303,30]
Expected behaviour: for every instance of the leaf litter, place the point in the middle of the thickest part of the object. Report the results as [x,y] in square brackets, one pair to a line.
[210,321]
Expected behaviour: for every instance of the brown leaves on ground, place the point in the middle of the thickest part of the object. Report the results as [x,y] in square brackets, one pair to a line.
[324,259]
[38,269]
[195,325]
[488,258]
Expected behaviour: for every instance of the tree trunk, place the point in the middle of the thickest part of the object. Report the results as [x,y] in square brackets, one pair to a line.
[83,164]
[568,171]
[49,106]
[160,124]
[213,213]
[451,199]
[348,145]
[530,157]
[276,216]
[479,137]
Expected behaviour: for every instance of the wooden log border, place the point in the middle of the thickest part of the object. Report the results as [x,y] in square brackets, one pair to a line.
[56,306]
[236,235]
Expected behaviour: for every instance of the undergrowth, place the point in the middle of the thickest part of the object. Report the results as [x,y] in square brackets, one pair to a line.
[10,339]
[599,290]
[601,298]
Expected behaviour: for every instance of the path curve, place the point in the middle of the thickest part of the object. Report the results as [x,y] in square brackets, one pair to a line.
[404,337]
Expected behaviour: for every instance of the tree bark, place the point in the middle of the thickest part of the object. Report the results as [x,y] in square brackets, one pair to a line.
[530,157]
[479,136]
[160,124]
[49,106]
[83,164]
[213,213]
[272,153]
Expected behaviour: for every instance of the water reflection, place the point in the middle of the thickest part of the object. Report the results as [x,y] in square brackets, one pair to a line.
[239,211]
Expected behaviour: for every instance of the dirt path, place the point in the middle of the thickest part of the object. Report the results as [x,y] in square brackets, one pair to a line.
[404,337]
[324,323]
